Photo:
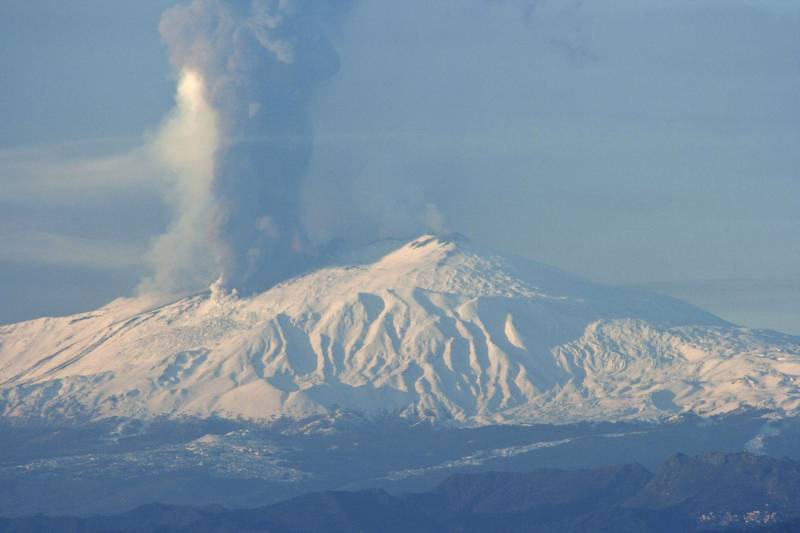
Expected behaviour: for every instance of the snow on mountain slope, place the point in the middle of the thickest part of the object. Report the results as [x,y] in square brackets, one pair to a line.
[434,328]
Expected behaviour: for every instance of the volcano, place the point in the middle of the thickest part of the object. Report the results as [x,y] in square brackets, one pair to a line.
[436,328]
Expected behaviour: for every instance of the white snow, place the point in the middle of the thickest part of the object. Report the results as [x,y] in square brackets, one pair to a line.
[433,328]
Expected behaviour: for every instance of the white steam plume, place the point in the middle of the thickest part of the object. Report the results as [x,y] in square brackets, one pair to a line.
[187,256]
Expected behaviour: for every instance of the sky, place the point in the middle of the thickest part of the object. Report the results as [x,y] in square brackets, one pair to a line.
[644,143]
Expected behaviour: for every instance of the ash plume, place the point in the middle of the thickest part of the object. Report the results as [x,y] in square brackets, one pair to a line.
[257,63]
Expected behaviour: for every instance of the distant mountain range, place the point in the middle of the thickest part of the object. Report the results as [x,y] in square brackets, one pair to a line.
[709,492]
[432,329]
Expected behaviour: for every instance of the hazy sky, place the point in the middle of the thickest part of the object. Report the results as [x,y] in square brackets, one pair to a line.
[632,142]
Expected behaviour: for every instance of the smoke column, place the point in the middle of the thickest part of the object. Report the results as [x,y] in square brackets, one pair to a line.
[255,65]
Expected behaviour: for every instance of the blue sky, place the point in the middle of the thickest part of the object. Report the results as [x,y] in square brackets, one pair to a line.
[645,143]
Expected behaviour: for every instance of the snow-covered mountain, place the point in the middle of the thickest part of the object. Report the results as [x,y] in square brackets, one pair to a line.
[434,328]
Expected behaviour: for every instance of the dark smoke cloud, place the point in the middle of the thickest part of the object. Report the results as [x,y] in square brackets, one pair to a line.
[260,62]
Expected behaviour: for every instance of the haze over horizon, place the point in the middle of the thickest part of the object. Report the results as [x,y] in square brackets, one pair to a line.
[534,127]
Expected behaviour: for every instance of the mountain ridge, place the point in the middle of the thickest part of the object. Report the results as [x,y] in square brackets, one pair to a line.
[683,494]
